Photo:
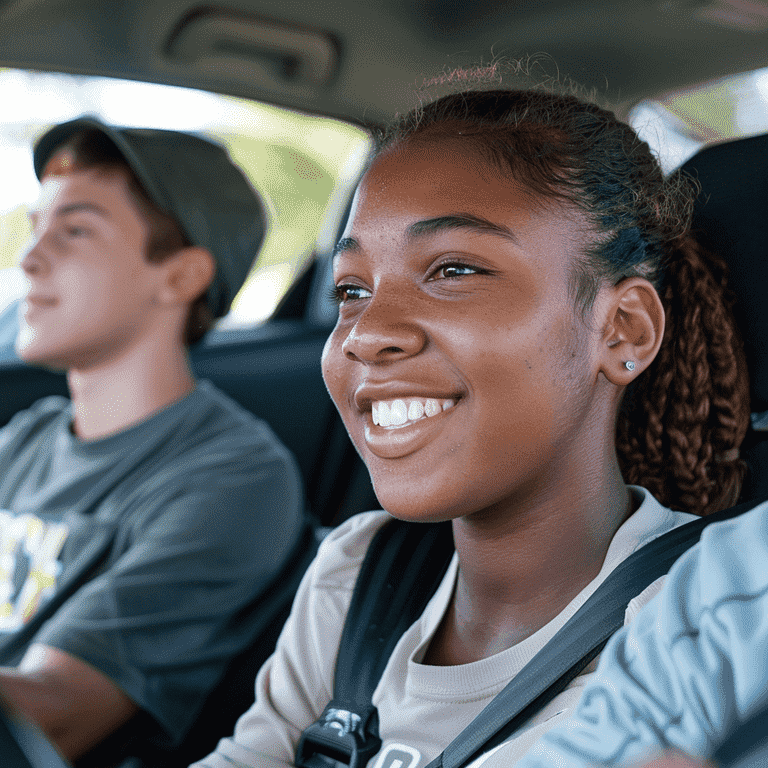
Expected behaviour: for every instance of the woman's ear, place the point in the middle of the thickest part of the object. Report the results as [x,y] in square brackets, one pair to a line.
[633,330]
[188,273]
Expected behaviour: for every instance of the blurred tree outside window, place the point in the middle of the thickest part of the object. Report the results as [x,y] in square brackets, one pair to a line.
[677,124]
[304,166]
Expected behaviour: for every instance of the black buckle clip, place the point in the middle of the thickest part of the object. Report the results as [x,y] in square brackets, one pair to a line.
[339,739]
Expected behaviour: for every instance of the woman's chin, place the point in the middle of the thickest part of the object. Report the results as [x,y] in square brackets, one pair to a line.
[413,507]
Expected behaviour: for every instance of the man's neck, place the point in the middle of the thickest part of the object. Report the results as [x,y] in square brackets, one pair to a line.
[119,394]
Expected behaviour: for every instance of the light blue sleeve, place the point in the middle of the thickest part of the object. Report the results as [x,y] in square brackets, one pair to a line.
[693,662]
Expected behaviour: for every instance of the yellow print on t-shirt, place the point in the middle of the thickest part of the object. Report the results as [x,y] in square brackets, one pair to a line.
[29,565]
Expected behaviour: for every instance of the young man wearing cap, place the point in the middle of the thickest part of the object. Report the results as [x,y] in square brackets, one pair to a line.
[133,519]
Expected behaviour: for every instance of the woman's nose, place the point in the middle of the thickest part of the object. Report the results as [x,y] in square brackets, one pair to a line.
[386,330]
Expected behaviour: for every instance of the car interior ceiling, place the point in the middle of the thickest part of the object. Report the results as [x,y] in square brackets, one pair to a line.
[360,60]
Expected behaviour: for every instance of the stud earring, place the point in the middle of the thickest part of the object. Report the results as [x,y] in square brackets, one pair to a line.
[629,365]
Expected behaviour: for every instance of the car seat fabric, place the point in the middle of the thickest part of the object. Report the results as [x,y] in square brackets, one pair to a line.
[731,218]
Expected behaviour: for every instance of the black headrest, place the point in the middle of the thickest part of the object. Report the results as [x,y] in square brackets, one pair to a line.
[731,219]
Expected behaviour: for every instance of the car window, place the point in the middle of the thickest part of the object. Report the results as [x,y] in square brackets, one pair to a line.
[678,123]
[303,165]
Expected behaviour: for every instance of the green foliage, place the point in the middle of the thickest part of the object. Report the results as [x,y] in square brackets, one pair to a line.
[14,233]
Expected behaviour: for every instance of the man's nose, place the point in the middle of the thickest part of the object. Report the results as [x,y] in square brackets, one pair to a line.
[34,261]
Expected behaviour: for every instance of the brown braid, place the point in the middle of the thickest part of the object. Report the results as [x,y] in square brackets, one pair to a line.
[682,420]
[694,398]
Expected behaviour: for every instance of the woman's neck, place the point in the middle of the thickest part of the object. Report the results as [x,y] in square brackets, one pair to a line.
[519,567]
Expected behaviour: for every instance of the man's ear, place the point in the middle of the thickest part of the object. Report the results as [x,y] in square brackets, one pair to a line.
[188,273]
[633,330]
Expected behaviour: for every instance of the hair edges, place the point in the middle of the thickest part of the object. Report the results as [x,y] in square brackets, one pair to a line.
[532,72]
[538,71]
[694,398]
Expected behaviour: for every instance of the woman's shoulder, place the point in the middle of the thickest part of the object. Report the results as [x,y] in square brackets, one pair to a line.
[343,550]
[650,520]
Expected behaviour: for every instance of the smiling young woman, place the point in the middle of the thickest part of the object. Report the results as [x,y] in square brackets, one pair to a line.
[525,327]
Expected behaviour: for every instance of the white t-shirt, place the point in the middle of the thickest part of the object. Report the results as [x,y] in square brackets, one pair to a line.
[421,708]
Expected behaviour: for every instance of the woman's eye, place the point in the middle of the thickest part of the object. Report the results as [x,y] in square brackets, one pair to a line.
[341,294]
[455,270]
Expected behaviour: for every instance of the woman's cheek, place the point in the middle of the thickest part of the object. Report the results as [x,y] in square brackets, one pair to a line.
[332,366]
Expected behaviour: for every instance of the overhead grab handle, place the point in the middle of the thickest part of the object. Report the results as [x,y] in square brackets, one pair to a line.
[268,53]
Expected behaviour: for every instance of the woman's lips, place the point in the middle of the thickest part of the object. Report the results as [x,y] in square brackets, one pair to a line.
[397,440]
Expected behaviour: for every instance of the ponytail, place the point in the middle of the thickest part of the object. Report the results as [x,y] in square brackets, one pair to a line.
[694,399]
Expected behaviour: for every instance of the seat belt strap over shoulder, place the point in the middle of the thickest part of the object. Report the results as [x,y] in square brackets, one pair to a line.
[402,570]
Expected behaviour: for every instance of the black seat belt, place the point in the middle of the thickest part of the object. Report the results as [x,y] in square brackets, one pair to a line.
[403,568]
[569,651]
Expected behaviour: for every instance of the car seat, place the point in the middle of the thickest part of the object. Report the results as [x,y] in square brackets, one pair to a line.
[731,218]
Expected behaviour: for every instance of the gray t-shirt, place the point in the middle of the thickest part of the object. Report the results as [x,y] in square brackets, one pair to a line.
[137,553]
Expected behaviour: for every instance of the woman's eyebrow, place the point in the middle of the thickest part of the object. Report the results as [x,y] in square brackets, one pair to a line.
[460,221]
[436,225]
[344,245]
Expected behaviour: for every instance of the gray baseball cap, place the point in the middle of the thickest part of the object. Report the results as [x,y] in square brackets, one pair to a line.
[195,181]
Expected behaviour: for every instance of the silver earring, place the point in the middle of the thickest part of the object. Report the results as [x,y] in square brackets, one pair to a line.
[629,365]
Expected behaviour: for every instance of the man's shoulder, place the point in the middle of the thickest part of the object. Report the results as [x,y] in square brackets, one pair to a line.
[41,415]
[213,452]
[45,408]
[216,419]
[224,412]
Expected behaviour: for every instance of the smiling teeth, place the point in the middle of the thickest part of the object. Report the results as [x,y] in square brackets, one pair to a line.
[415,410]
[398,413]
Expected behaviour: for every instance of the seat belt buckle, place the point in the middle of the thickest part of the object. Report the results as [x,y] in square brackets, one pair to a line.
[339,739]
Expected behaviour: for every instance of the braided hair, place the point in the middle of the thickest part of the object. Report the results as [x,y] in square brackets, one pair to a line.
[681,422]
